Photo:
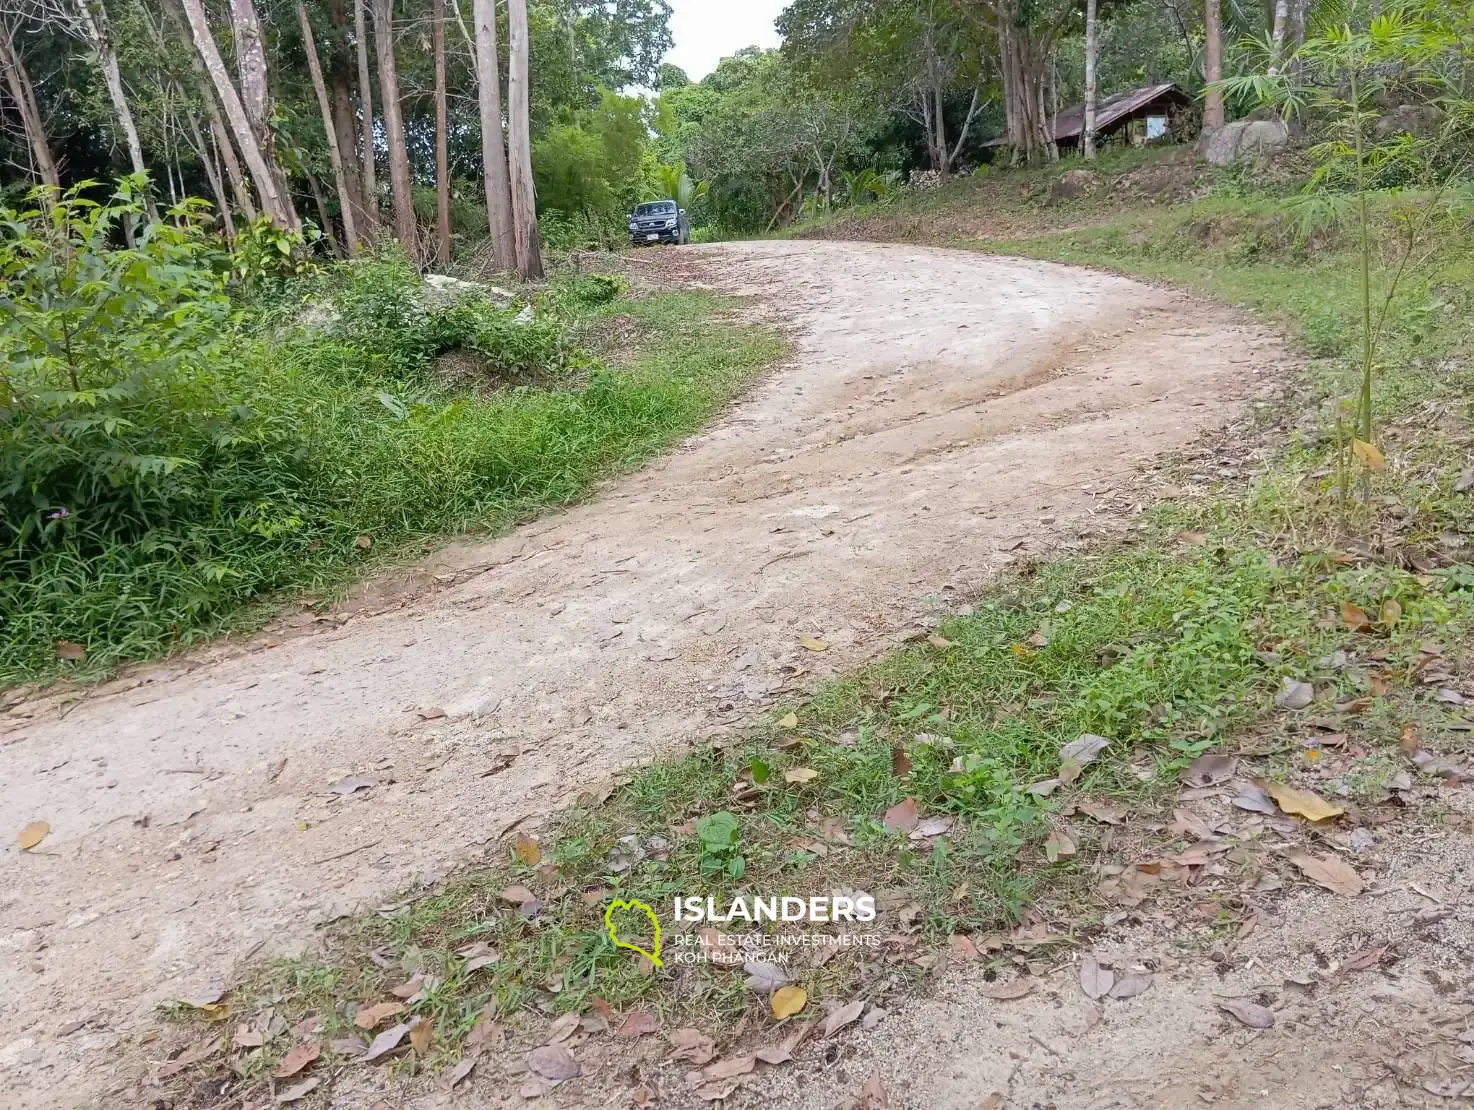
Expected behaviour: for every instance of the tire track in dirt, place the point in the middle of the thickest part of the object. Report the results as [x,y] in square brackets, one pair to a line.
[943,412]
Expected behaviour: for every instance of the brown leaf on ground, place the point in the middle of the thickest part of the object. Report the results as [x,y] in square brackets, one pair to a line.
[1103,812]
[458,1073]
[1251,1014]
[528,850]
[518,895]
[1370,454]
[299,1091]
[1305,803]
[872,1095]
[1354,617]
[809,643]
[1078,754]
[297,1059]
[903,816]
[963,948]
[638,1024]
[562,1029]
[1131,984]
[408,989]
[555,1062]
[692,1046]
[729,1068]
[1366,958]
[385,1043]
[1295,695]
[368,1017]
[774,1054]
[1391,613]
[421,1035]
[1095,981]
[788,720]
[70,651]
[195,1054]
[939,641]
[1252,797]
[1209,770]
[1197,539]
[788,1001]
[1335,875]
[800,775]
[1007,992]
[1058,844]
[843,1016]
[900,762]
[32,835]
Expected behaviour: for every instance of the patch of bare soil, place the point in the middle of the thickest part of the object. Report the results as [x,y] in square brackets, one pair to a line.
[944,413]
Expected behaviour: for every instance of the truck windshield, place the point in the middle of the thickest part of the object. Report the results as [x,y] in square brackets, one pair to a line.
[666,208]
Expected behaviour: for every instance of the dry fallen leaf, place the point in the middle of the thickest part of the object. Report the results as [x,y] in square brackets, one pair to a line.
[1369,454]
[1078,754]
[765,977]
[1095,981]
[368,1017]
[363,542]
[1306,803]
[528,850]
[788,720]
[788,1001]
[1251,1014]
[32,835]
[900,762]
[729,1068]
[903,816]
[1335,875]
[299,1091]
[843,1016]
[938,641]
[1007,992]
[297,1059]
[409,988]
[385,1043]
[800,775]
[1058,844]
[963,948]
[1130,985]
[421,1035]
[1354,617]
[1251,797]
[691,1046]
[1209,770]
[518,895]
[811,644]
[1391,613]
[872,1095]
[555,1062]
[70,651]
[1295,695]
[638,1024]
[458,1073]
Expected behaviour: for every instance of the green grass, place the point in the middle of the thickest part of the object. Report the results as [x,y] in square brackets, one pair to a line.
[370,449]
[1171,643]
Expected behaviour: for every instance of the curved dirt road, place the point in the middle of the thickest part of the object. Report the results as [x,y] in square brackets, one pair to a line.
[943,413]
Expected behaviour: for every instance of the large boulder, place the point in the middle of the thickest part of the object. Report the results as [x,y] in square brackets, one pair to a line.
[1243,138]
[442,289]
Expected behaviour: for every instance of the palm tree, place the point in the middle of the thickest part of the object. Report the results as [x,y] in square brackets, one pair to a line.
[674,183]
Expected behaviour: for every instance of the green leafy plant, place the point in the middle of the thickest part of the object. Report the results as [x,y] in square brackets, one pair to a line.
[720,836]
[264,254]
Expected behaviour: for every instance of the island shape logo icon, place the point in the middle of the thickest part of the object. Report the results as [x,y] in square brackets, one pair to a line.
[638,907]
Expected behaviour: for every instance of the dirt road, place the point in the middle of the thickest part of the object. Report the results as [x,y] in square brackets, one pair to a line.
[944,412]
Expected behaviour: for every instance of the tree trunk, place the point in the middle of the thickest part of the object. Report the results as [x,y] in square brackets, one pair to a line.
[1213,64]
[493,146]
[939,122]
[335,156]
[1277,36]
[275,204]
[322,210]
[1092,48]
[250,63]
[21,91]
[212,171]
[366,109]
[340,68]
[99,34]
[519,147]
[442,153]
[399,179]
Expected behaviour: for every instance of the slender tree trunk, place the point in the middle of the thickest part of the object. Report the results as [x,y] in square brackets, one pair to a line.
[24,95]
[1298,10]
[366,109]
[340,68]
[212,171]
[1213,64]
[99,34]
[519,146]
[939,121]
[275,203]
[322,210]
[442,126]
[493,145]
[335,156]
[1092,48]
[250,62]
[1277,36]
[399,179]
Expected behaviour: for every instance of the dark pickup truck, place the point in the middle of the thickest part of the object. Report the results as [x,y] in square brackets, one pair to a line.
[660,221]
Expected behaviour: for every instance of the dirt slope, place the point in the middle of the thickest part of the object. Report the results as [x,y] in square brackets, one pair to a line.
[944,412]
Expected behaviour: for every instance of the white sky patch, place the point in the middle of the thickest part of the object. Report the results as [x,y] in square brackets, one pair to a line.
[706,31]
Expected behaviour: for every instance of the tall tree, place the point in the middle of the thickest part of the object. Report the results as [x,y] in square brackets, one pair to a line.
[93,19]
[339,73]
[366,120]
[1213,64]
[519,146]
[1092,51]
[442,154]
[493,146]
[275,203]
[399,176]
[325,108]
[18,81]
